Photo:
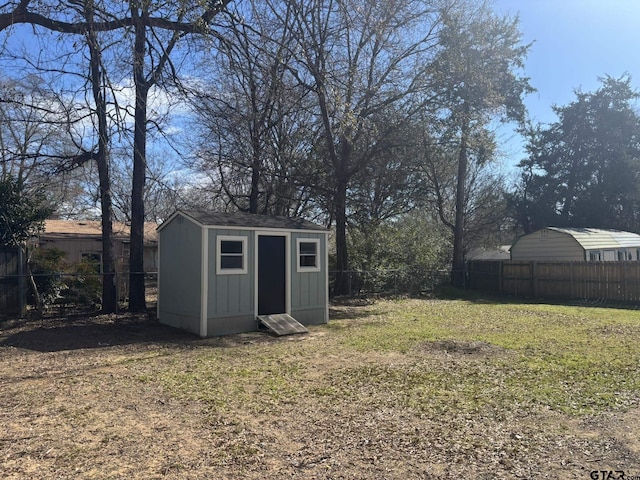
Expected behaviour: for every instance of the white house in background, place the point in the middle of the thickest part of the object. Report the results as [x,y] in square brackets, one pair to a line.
[577,245]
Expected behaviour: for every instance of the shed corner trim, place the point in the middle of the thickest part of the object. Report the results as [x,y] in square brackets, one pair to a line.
[204,282]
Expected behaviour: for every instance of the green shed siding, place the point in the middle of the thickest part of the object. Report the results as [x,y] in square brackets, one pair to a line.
[179,289]
[310,316]
[309,289]
[230,295]
[232,324]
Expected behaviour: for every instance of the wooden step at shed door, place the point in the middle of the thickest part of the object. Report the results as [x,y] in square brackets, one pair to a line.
[282,324]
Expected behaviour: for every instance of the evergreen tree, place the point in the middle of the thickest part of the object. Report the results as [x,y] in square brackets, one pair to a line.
[583,169]
[477,74]
[22,214]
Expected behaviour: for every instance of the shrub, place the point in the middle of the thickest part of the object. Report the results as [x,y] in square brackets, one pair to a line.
[60,282]
[47,267]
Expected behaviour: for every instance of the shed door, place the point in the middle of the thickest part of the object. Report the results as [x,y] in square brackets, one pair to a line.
[271,274]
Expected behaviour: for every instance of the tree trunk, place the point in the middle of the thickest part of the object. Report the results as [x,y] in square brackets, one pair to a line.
[137,301]
[109,292]
[109,288]
[341,286]
[255,182]
[457,270]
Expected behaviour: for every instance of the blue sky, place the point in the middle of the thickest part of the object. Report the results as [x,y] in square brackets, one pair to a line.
[574,43]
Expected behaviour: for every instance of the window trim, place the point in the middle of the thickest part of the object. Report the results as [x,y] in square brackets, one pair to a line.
[231,271]
[316,267]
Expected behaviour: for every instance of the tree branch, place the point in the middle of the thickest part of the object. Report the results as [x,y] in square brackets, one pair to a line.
[21,15]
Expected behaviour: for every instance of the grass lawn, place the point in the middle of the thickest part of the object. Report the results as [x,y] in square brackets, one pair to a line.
[394,389]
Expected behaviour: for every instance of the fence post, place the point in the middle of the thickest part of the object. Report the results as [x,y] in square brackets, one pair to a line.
[117,281]
[636,284]
[22,301]
[534,279]
[624,281]
[571,268]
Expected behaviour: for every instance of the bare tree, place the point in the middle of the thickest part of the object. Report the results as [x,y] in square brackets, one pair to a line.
[149,59]
[252,117]
[99,85]
[151,56]
[34,123]
[358,59]
[73,148]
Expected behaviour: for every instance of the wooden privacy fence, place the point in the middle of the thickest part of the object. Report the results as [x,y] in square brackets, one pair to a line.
[614,281]
[12,282]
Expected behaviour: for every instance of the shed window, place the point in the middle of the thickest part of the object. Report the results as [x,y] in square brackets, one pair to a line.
[594,256]
[308,255]
[232,255]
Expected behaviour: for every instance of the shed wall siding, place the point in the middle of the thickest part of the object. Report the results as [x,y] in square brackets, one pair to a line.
[180,281]
[308,289]
[554,246]
[310,316]
[232,324]
[230,295]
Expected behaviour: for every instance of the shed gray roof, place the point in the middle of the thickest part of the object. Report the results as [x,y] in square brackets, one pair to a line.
[595,238]
[240,219]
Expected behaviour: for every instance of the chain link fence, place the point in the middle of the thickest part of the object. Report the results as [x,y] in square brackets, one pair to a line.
[70,290]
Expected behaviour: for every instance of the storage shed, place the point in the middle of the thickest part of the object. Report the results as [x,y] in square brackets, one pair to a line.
[218,271]
[577,244]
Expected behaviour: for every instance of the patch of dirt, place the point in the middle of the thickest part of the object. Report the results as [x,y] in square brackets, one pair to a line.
[621,431]
[348,312]
[475,349]
[619,329]
[80,401]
